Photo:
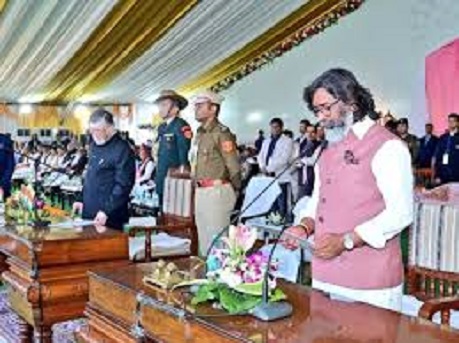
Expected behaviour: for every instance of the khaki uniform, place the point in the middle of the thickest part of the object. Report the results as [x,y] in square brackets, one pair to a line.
[217,172]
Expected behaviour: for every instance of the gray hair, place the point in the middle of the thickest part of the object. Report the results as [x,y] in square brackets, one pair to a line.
[102,115]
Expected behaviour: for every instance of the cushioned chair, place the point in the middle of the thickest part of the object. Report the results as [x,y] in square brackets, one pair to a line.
[433,266]
[176,220]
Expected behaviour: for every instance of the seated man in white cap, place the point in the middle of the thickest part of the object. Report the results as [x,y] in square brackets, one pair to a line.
[216,169]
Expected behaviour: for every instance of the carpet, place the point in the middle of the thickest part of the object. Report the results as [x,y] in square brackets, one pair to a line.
[62,332]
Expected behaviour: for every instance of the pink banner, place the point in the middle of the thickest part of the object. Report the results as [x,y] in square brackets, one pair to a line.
[442,84]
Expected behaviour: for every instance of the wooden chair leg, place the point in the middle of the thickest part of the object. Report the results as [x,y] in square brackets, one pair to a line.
[148,254]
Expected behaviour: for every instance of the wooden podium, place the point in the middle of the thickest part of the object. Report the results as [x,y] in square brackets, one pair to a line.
[46,273]
[122,309]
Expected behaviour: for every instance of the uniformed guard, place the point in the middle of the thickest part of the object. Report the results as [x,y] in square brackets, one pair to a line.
[216,169]
[174,138]
[7,164]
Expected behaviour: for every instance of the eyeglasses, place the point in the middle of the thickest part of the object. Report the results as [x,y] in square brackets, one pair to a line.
[325,107]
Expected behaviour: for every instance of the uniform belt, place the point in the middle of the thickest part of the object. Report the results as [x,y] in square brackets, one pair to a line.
[204,183]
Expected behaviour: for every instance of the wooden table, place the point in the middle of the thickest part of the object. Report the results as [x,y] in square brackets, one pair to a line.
[122,310]
[47,278]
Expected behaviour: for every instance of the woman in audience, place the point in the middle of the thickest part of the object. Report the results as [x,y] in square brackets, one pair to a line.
[61,157]
[53,158]
[147,166]
[79,161]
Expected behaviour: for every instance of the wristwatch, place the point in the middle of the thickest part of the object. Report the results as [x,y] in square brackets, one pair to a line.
[348,241]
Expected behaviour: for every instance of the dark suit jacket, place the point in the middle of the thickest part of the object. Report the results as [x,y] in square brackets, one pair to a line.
[426,151]
[447,145]
[306,186]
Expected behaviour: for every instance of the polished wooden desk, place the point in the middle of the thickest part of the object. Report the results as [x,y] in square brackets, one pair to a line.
[122,310]
[47,278]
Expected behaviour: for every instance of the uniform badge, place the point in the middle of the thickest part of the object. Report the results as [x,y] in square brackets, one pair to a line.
[186,130]
[227,146]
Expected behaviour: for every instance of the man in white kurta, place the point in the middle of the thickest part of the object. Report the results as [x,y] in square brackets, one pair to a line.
[362,200]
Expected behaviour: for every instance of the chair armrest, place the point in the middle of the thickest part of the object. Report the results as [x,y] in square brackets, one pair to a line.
[133,231]
[443,305]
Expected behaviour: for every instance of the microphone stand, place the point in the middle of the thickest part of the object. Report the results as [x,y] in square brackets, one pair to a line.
[302,154]
[268,311]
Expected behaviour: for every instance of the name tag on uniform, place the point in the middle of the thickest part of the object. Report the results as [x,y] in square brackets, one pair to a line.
[445,160]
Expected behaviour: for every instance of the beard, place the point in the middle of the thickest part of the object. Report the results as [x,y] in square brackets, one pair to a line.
[337,129]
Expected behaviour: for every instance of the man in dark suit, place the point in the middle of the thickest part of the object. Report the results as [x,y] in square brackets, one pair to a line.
[427,147]
[110,175]
[174,138]
[259,141]
[447,154]
[306,174]
[7,164]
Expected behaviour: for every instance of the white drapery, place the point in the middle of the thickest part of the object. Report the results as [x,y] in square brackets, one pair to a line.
[212,31]
[37,38]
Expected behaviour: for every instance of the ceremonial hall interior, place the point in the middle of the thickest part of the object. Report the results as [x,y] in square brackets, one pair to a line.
[266,171]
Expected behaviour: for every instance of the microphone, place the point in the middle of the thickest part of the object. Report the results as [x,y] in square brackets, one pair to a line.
[255,199]
[267,311]
[323,145]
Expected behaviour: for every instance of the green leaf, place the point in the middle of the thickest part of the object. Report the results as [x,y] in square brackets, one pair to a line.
[205,293]
[255,288]
[235,302]
[278,295]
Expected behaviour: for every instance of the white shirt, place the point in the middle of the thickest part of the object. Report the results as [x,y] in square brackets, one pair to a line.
[392,169]
[279,159]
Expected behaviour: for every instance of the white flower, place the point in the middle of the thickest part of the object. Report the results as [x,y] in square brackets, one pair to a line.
[230,278]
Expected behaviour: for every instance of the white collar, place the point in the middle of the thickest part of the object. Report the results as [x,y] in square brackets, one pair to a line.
[169,120]
[361,127]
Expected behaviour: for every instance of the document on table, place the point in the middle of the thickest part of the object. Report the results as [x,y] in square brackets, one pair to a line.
[72,223]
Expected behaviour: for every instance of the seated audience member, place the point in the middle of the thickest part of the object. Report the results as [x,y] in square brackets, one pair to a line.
[62,160]
[146,170]
[78,164]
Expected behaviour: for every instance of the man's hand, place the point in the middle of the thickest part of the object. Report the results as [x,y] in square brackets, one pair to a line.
[100,219]
[77,209]
[329,246]
[290,242]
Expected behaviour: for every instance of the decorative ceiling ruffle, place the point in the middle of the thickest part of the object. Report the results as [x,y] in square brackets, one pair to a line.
[212,31]
[307,21]
[130,29]
[37,38]
[124,51]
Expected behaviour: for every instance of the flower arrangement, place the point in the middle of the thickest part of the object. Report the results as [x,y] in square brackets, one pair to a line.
[20,207]
[235,274]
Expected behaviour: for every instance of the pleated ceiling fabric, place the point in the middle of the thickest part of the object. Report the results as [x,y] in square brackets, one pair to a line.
[37,38]
[130,29]
[125,51]
[212,31]
[303,16]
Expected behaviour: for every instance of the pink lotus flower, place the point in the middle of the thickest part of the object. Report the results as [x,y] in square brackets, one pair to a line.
[242,237]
